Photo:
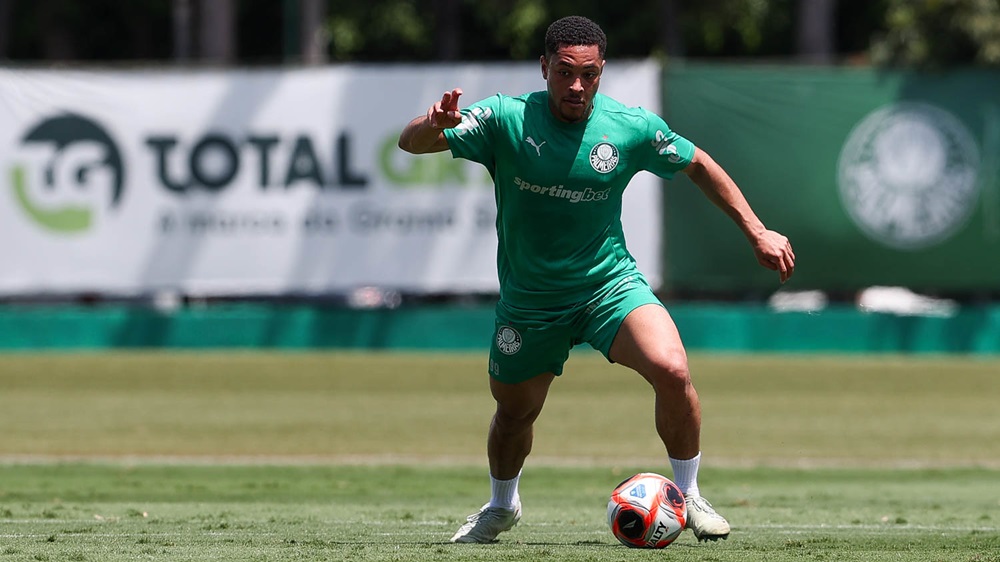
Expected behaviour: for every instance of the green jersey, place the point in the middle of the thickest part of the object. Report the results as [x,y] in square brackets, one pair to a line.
[559,190]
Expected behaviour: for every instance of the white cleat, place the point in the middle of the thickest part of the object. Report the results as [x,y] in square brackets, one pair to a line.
[483,527]
[704,521]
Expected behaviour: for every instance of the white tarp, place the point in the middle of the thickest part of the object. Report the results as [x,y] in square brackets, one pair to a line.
[262,181]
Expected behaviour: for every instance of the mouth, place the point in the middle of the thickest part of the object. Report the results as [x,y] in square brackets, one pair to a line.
[575,102]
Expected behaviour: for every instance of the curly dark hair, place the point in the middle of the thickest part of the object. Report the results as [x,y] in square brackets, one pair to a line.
[572,31]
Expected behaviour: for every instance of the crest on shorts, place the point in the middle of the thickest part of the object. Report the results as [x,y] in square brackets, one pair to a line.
[604,157]
[508,340]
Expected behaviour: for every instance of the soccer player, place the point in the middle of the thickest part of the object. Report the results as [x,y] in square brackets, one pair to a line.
[560,161]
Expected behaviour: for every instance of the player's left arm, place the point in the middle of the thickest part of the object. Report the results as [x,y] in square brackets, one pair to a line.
[772,250]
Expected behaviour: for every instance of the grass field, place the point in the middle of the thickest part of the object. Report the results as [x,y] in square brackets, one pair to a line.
[351,456]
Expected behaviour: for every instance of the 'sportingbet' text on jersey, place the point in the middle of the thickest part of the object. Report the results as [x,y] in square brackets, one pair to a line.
[559,189]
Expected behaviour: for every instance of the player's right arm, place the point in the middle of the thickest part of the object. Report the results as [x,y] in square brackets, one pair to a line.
[425,134]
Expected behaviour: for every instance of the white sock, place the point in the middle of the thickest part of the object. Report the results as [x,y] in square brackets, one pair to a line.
[504,492]
[686,474]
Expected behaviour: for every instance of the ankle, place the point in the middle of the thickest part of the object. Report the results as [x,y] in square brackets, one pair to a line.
[504,493]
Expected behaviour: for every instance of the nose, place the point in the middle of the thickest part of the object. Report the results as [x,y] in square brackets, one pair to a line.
[577,85]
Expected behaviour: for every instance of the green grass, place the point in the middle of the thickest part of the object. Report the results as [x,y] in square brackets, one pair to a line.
[379,457]
[341,407]
[172,513]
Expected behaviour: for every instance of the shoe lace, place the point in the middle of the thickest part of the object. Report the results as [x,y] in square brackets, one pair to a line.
[702,505]
[488,515]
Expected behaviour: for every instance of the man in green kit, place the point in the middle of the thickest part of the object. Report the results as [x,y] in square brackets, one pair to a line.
[560,161]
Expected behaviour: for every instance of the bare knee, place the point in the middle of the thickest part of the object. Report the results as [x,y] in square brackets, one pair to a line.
[668,373]
[515,418]
[518,405]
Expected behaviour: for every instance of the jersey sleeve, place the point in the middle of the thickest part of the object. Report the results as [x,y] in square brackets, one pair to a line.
[666,152]
[475,137]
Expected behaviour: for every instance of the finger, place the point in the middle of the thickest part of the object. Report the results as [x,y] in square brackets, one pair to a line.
[453,96]
[787,268]
[432,114]
[439,108]
[446,101]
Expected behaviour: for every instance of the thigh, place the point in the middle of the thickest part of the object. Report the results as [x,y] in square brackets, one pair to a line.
[605,318]
[648,339]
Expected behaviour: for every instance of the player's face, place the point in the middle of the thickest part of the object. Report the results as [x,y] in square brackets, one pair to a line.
[573,74]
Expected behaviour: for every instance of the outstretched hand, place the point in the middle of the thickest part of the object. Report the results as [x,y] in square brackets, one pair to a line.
[445,114]
[774,252]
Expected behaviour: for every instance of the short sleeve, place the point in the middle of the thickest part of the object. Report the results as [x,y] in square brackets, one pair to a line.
[475,137]
[666,152]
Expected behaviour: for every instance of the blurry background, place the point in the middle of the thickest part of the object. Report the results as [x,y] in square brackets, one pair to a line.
[222,173]
[934,33]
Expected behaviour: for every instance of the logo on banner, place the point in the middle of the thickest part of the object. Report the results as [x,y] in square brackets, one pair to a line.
[71,158]
[908,175]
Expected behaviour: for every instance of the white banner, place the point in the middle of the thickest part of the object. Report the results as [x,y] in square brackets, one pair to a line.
[259,182]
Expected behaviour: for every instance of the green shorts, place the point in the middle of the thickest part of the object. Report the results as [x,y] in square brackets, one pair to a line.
[527,343]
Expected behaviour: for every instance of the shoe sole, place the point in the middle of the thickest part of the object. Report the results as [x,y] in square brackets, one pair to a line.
[713,538]
[464,540]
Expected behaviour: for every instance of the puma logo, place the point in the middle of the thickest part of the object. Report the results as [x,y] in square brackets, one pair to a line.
[538,147]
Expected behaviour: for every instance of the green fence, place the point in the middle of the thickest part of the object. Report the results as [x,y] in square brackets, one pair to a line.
[878,178]
[737,328]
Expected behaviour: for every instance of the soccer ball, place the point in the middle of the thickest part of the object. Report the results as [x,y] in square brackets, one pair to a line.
[647,510]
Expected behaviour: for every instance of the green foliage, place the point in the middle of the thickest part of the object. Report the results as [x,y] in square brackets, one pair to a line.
[938,33]
[379,29]
[514,29]
[738,27]
[898,32]
[519,28]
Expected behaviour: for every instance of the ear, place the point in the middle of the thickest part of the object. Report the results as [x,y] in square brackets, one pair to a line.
[545,67]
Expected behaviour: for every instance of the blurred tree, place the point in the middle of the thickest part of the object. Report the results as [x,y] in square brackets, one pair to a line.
[856,26]
[5,13]
[383,30]
[738,27]
[313,44]
[816,30]
[304,35]
[55,18]
[515,29]
[897,32]
[936,33]
[671,41]
[98,30]
[446,17]
[181,18]
[217,31]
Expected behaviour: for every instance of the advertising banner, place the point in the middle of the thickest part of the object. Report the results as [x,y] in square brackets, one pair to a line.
[228,182]
[877,177]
